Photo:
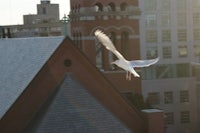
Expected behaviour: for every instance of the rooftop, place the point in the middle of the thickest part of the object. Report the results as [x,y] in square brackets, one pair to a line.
[20,60]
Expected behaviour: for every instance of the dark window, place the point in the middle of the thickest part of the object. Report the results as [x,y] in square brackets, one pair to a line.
[123,6]
[169,118]
[185,117]
[184,96]
[153,98]
[168,97]
[112,6]
[151,52]
[167,52]
[44,11]
[113,39]
[98,7]
[79,40]
[125,43]
[182,70]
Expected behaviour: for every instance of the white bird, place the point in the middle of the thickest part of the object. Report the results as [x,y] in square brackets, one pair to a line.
[128,66]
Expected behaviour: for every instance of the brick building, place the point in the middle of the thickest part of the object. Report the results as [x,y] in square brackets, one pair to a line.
[119,20]
[48,85]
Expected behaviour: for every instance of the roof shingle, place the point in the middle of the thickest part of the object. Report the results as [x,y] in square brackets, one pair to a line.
[20,60]
[73,109]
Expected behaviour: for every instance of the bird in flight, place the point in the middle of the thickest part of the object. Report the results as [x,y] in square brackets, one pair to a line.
[128,66]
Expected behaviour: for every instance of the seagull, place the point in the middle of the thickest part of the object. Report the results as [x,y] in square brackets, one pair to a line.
[128,66]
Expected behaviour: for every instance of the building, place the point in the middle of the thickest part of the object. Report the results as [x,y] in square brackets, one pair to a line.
[120,20]
[46,12]
[48,85]
[169,29]
[45,23]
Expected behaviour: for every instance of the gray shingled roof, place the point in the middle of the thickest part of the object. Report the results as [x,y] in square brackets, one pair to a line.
[20,61]
[73,110]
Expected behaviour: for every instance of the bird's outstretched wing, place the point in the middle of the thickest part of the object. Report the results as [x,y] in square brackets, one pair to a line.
[143,63]
[105,40]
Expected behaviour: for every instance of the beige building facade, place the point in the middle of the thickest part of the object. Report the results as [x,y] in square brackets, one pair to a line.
[45,23]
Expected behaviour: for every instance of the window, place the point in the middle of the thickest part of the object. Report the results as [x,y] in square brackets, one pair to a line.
[168,97]
[112,57]
[150,20]
[123,6]
[150,5]
[98,7]
[151,36]
[185,117]
[167,52]
[43,29]
[44,10]
[79,44]
[197,50]
[152,52]
[165,5]
[196,34]
[181,19]
[124,43]
[169,118]
[182,35]
[196,3]
[76,8]
[149,72]
[181,4]
[184,96]
[183,70]
[99,55]
[113,37]
[182,51]
[111,6]
[166,35]
[165,19]
[165,71]
[197,74]
[196,18]
[79,7]
[153,98]
[77,37]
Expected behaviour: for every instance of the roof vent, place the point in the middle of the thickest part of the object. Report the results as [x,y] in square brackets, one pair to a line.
[67,62]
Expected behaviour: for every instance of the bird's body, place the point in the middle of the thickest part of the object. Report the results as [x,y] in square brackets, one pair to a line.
[122,62]
[126,65]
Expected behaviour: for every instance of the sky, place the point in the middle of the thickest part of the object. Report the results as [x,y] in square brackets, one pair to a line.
[12,11]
